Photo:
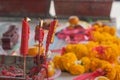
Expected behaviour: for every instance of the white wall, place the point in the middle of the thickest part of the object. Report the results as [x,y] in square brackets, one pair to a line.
[115,13]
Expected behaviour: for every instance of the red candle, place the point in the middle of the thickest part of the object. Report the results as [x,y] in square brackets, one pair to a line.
[39,34]
[25,36]
[51,33]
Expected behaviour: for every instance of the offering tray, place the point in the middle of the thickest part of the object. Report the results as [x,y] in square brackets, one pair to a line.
[11,68]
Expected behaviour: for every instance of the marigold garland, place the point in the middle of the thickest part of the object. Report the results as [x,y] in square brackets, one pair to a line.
[85,61]
[101,52]
[76,69]
[68,59]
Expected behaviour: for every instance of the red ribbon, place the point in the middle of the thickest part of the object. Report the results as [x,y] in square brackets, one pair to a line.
[90,76]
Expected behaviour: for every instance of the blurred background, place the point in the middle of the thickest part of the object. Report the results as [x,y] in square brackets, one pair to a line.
[85,9]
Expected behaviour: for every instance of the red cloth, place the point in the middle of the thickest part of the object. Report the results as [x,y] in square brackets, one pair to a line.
[24,37]
[39,34]
[90,76]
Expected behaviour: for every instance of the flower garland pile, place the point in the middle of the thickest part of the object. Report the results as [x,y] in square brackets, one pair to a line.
[102,51]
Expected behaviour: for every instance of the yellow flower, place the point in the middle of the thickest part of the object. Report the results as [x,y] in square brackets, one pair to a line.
[103,33]
[98,27]
[109,69]
[104,28]
[68,59]
[98,36]
[80,50]
[70,48]
[117,77]
[57,62]
[33,51]
[110,30]
[91,44]
[76,69]
[94,64]
[51,71]
[112,53]
[109,52]
[86,63]
[111,75]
